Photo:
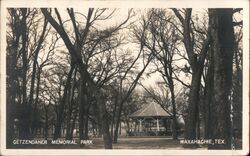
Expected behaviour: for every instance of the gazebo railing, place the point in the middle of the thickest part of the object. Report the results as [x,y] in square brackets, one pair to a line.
[150,133]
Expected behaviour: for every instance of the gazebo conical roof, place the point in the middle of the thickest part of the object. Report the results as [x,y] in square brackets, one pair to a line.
[150,110]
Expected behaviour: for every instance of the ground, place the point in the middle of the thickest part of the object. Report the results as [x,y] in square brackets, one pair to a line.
[142,143]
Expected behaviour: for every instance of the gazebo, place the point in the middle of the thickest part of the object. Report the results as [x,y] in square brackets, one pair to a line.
[151,119]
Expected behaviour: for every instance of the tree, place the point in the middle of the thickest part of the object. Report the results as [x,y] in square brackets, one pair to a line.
[196,60]
[124,98]
[75,53]
[12,74]
[62,104]
[237,79]
[163,46]
[35,73]
[222,49]
[26,41]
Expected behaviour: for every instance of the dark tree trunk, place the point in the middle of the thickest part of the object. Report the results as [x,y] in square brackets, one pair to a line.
[118,120]
[198,124]
[24,131]
[73,127]
[46,126]
[174,126]
[190,124]
[10,113]
[82,107]
[114,114]
[61,106]
[26,110]
[104,122]
[208,96]
[102,118]
[99,126]
[35,111]
[69,113]
[86,115]
[33,77]
[68,124]
[237,92]
[86,119]
[12,51]
[120,128]
[128,125]
[85,124]
[222,37]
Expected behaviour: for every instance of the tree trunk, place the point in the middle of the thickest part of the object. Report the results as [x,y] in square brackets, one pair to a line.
[128,125]
[98,123]
[59,120]
[174,126]
[120,128]
[104,122]
[198,124]
[33,77]
[34,119]
[208,96]
[222,37]
[118,120]
[26,110]
[82,107]
[11,85]
[46,127]
[86,122]
[114,114]
[73,126]
[69,113]
[10,118]
[190,125]
[237,93]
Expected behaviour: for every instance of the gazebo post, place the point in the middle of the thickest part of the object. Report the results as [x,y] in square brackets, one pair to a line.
[135,126]
[158,127]
[149,125]
[140,120]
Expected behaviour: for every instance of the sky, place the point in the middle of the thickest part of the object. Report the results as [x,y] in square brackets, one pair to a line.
[119,15]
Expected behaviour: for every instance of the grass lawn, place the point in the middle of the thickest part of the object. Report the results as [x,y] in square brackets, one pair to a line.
[141,143]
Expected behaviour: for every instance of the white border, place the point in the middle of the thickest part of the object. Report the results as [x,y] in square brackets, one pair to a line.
[127,4]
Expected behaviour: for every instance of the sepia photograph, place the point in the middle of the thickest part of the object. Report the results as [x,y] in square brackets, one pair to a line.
[126,77]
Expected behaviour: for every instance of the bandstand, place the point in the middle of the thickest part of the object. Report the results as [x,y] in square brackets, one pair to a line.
[150,120]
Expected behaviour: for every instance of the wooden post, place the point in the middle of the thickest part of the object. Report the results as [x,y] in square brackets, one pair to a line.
[134,125]
[149,125]
[140,125]
[158,128]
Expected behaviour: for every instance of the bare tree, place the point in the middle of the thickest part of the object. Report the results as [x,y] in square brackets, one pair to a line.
[35,73]
[196,60]
[160,39]
[75,52]
[123,97]
[13,40]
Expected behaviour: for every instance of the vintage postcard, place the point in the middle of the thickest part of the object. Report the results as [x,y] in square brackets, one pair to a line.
[115,77]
